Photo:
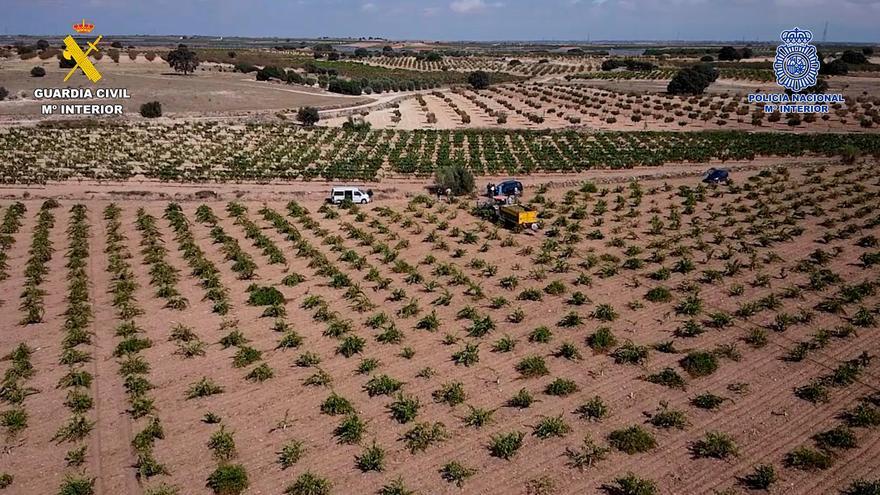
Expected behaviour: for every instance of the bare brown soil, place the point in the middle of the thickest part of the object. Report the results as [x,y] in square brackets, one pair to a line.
[213,90]
[753,226]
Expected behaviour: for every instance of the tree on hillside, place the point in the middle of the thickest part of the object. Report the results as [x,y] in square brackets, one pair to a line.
[387,49]
[612,64]
[456,177]
[853,57]
[271,72]
[151,110]
[747,52]
[836,67]
[3,93]
[42,45]
[868,51]
[692,80]
[308,116]
[729,53]
[38,72]
[182,59]
[361,53]
[479,79]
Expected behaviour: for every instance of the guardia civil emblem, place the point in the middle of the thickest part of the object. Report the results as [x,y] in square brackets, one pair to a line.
[796,64]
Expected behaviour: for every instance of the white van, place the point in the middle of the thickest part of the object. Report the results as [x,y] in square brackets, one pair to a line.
[353,194]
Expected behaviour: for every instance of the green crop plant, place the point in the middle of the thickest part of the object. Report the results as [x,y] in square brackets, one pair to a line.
[551,426]
[762,478]
[594,409]
[382,385]
[307,360]
[716,445]
[807,459]
[423,435]
[669,418]
[541,335]
[467,356]
[456,473]
[707,401]
[76,428]
[588,455]
[505,445]
[568,351]
[632,440]
[405,408]
[77,485]
[631,485]
[561,387]
[222,443]
[504,344]
[522,400]
[699,364]
[203,388]
[367,366]
[862,487]
[532,367]
[668,377]
[602,340]
[839,437]
[630,353]
[371,459]
[451,393]
[478,417]
[350,430]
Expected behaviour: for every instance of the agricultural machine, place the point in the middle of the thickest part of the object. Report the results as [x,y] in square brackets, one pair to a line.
[502,205]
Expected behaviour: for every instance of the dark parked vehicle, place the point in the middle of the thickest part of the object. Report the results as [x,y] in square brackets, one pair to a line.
[716,176]
[506,188]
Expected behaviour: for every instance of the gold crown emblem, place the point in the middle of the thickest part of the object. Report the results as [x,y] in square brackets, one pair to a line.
[83,27]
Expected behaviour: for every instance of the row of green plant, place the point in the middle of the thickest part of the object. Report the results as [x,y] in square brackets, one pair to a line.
[254,233]
[78,334]
[163,276]
[36,268]
[8,228]
[133,367]
[202,268]
[242,262]
[290,152]
[830,445]
[14,392]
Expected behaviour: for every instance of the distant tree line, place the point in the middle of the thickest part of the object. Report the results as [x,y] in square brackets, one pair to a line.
[731,53]
[630,64]
[692,80]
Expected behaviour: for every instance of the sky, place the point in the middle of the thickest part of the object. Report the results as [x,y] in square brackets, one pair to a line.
[449,20]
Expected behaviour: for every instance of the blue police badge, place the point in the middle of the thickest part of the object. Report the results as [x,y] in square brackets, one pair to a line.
[796,64]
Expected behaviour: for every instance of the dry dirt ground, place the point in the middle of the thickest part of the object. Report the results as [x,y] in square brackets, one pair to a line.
[771,244]
[209,92]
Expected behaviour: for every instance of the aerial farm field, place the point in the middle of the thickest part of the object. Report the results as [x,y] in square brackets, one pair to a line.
[694,338]
[182,314]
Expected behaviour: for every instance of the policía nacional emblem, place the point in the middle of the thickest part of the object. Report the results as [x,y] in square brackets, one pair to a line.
[796,64]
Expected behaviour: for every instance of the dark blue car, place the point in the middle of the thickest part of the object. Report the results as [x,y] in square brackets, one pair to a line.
[507,188]
[716,176]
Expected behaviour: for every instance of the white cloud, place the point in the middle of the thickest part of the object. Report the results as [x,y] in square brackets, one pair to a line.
[368,7]
[471,6]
